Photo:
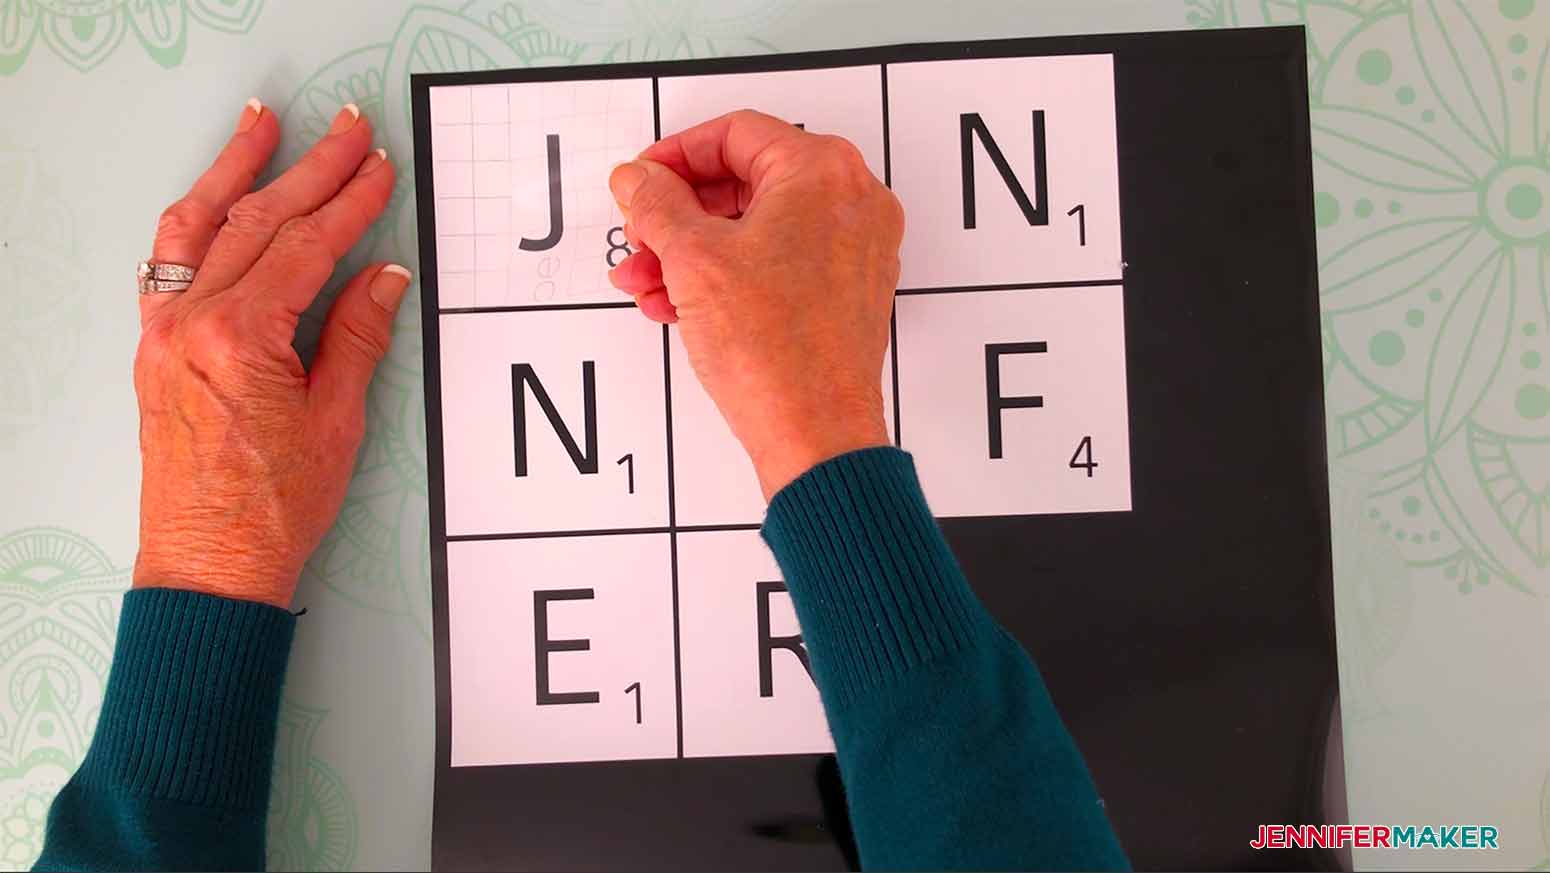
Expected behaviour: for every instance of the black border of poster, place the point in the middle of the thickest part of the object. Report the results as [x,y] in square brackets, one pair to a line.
[1215,46]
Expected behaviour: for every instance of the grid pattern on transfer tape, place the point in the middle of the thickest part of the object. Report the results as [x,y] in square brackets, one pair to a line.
[612,600]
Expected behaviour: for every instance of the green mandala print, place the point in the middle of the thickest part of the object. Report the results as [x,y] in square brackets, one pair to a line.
[1544,822]
[43,305]
[59,599]
[378,554]
[1373,600]
[312,819]
[653,30]
[59,603]
[85,32]
[1431,141]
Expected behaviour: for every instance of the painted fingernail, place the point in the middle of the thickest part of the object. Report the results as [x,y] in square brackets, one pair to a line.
[374,159]
[250,114]
[345,119]
[625,179]
[388,286]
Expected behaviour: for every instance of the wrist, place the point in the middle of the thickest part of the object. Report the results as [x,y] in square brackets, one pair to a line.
[228,572]
[779,461]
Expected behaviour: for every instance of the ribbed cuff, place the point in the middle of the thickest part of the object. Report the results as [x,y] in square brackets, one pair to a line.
[193,699]
[876,589]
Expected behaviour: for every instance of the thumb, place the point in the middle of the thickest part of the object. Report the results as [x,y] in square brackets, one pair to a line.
[659,205]
[356,335]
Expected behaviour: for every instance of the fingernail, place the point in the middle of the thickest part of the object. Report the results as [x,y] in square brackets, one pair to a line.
[250,114]
[374,159]
[388,286]
[345,119]
[624,181]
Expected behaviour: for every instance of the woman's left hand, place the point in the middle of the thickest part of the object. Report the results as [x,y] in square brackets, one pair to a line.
[246,454]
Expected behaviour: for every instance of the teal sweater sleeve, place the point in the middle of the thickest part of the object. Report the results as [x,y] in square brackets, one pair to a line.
[950,749]
[177,776]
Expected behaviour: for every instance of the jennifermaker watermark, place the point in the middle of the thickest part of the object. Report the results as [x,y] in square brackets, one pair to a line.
[1288,836]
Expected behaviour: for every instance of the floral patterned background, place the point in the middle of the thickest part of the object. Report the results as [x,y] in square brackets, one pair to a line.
[1432,164]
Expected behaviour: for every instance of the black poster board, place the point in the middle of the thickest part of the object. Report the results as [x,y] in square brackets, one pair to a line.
[1189,642]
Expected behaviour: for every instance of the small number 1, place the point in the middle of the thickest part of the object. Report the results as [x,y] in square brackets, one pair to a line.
[629,462]
[1080,211]
[634,688]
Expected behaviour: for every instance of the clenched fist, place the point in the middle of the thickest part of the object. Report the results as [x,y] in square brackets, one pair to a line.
[776,251]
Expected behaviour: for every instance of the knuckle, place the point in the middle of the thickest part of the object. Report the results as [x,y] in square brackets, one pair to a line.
[842,152]
[359,211]
[317,159]
[156,337]
[745,115]
[368,340]
[709,263]
[349,427]
[894,209]
[215,336]
[839,161]
[304,237]
[253,212]
[181,220]
[789,151]
[325,161]
[302,231]
[650,215]
[151,353]
[647,202]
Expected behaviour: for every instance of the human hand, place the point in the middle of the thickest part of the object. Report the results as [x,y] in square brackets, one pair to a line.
[776,251]
[245,454]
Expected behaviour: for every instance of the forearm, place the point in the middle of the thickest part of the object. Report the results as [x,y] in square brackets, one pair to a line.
[952,753]
[178,773]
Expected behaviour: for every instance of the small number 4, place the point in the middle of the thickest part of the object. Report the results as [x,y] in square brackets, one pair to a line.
[1084,449]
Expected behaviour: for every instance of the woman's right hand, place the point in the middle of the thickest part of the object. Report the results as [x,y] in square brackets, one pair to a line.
[776,251]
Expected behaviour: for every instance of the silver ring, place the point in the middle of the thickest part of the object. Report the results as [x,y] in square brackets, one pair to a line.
[159,278]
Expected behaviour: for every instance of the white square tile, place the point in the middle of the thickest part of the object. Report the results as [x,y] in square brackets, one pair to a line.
[523,104]
[591,101]
[492,252]
[564,245]
[852,103]
[450,105]
[489,104]
[455,254]
[454,179]
[622,132]
[529,143]
[928,104]
[558,99]
[452,142]
[714,482]
[492,178]
[455,289]
[492,215]
[969,367]
[454,216]
[546,637]
[489,288]
[490,142]
[571,477]
[746,685]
